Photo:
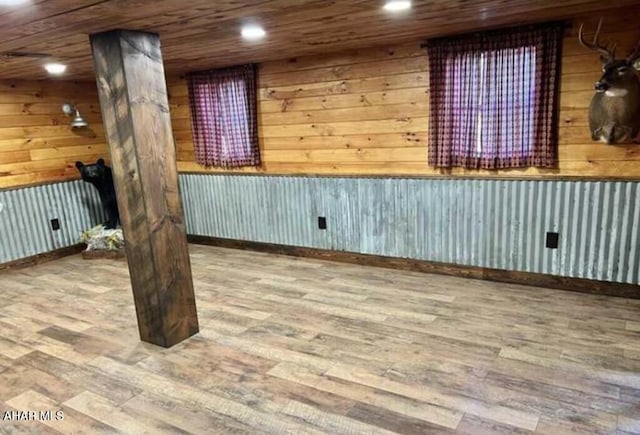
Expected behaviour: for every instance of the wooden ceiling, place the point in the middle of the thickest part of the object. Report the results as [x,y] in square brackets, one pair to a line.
[201,34]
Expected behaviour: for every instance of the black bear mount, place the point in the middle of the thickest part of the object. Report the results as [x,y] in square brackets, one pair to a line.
[101,177]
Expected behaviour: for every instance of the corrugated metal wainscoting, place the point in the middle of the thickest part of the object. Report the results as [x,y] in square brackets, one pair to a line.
[25,216]
[488,223]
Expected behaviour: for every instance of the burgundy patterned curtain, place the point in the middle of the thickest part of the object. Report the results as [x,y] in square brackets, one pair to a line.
[494,98]
[223,116]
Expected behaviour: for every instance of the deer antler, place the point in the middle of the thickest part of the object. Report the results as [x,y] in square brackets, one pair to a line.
[635,54]
[608,54]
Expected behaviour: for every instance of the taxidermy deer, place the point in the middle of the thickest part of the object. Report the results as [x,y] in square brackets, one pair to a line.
[614,114]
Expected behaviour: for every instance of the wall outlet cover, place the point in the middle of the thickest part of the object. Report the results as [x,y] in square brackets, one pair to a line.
[55,224]
[322,222]
[552,240]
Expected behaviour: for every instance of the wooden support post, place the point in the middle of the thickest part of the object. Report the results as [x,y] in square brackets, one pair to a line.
[135,111]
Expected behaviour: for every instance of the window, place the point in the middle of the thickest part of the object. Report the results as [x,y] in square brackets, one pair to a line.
[223,116]
[493,98]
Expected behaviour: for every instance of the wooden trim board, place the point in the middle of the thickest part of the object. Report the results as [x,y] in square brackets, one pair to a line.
[40,183]
[42,258]
[98,254]
[473,272]
[443,177]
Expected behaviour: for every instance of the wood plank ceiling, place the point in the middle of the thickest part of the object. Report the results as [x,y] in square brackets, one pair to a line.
[200,34]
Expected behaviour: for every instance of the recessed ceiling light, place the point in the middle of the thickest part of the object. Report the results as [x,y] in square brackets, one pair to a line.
[397,5]
[253,32]
[12,2]
[55,68]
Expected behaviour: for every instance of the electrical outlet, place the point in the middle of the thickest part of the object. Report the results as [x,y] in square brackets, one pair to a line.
[322,222]
[55,224]
[552,240]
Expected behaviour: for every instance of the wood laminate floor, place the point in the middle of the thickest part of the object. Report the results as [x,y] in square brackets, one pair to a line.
[291,345]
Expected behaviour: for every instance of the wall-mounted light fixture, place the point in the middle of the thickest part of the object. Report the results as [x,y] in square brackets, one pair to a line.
[78,121]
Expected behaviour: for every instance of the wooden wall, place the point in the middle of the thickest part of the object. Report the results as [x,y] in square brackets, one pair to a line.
[360,112]
[36,143]
[365,112]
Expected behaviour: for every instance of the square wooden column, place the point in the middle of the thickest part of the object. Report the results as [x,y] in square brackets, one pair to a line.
[135,111]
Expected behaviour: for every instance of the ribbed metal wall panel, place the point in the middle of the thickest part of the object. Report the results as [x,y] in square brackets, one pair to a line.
[25,216]
[489,223]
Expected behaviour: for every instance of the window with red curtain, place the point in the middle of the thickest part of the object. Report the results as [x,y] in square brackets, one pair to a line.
[223,116]
[494,98]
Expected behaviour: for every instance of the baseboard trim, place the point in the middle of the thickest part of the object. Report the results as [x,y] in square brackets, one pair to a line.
[100,254]
[499,275]
[42,258]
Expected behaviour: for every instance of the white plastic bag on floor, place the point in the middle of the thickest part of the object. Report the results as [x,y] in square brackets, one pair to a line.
[100,238]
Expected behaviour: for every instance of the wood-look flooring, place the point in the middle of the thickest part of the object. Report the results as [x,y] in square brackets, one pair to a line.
[290,345]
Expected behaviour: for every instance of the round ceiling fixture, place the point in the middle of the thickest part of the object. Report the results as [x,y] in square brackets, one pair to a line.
[55,68]
[397,5]
[252,32]
[13,2]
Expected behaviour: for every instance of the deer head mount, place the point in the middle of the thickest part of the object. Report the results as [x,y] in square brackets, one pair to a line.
[614,113]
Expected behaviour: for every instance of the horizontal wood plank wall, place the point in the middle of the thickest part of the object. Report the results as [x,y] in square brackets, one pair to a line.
[37,144]
[361,112]
[364,112]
